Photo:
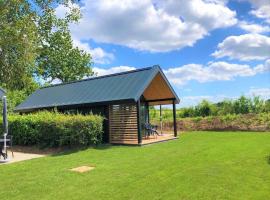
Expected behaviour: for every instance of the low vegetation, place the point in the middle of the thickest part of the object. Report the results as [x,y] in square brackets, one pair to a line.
[230,122]
[47,129]
[204,166]
[242,105]
[243,114]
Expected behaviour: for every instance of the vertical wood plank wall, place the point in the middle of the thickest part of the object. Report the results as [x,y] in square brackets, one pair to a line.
[123,124]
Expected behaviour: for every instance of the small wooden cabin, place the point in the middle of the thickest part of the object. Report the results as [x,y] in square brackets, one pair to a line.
[122,98]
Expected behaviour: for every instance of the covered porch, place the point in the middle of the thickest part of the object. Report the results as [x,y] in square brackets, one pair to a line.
[158,94]
[131,123]
[152,131]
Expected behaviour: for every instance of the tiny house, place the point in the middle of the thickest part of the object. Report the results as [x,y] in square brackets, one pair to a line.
[122,98]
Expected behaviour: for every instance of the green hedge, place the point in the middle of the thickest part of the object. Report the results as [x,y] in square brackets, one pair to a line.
[47,129]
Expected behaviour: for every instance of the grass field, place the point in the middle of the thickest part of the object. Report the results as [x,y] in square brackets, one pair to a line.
[208,165]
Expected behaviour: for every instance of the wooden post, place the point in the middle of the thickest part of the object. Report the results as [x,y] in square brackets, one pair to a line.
[106,124]
[148,112]
[174,120]
[139,121]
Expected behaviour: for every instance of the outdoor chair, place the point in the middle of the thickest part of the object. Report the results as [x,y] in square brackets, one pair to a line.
[151,130]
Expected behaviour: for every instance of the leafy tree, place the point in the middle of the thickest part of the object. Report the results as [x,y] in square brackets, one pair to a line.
[242,105]
[18,43]
[34,42]
[59,60]
[225,107]
[257,105]
[267,106]
[187,112]
[203,109]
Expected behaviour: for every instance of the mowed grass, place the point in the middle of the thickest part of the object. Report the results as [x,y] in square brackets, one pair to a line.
[201,165]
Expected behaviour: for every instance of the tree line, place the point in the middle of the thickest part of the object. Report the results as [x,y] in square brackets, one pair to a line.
[242,105]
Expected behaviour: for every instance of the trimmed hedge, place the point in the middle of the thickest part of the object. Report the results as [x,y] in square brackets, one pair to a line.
[48,129]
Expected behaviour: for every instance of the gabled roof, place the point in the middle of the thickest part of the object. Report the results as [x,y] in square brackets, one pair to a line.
[2,93]
[109,88]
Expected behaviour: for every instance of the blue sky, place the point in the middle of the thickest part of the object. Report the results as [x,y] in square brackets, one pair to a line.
[209,49]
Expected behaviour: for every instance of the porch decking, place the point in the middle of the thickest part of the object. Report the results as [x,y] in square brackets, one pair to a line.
[159,138]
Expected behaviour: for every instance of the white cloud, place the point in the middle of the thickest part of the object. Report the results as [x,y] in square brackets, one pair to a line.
[253,28]
[213,71]
[222,2]
[244,47]
[261,9]
[263,67]
[98,54]
[209,14]
[112,70]
[150,25]
[262,92]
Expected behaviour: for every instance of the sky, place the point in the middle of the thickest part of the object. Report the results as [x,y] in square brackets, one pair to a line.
[208,49]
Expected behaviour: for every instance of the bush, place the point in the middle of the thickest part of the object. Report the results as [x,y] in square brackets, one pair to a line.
[15,97]
[47,129]
[242,105]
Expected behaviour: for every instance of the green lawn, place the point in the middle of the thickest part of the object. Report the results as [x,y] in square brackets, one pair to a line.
[207,165]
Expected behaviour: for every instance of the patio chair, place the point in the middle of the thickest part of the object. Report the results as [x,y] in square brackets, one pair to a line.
[151,130]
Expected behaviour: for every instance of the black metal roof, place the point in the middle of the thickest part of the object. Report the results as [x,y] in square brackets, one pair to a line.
[128,85]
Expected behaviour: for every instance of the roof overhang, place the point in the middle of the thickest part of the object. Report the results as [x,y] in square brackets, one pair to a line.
[71,106]
[159,91]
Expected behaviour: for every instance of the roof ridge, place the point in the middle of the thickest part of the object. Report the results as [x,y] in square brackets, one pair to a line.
[100,77]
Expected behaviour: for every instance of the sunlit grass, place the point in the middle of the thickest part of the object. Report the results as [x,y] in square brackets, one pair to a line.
[208,165]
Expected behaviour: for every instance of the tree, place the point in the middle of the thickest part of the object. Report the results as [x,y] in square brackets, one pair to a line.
[203,109]
[18,44]
[225,107]
[258,104]
[32,38]
[242,105]
[59,60]
[267,106]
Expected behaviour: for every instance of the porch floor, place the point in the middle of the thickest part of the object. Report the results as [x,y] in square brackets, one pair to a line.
[158,138]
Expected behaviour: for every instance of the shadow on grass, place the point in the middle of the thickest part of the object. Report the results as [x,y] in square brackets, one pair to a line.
[75,149]
[268,159]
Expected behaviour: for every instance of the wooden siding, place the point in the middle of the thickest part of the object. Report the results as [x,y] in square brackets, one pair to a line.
[123,124]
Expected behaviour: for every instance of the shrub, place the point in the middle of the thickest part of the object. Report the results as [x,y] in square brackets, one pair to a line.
[229,118]
[15,97]
[47,129]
